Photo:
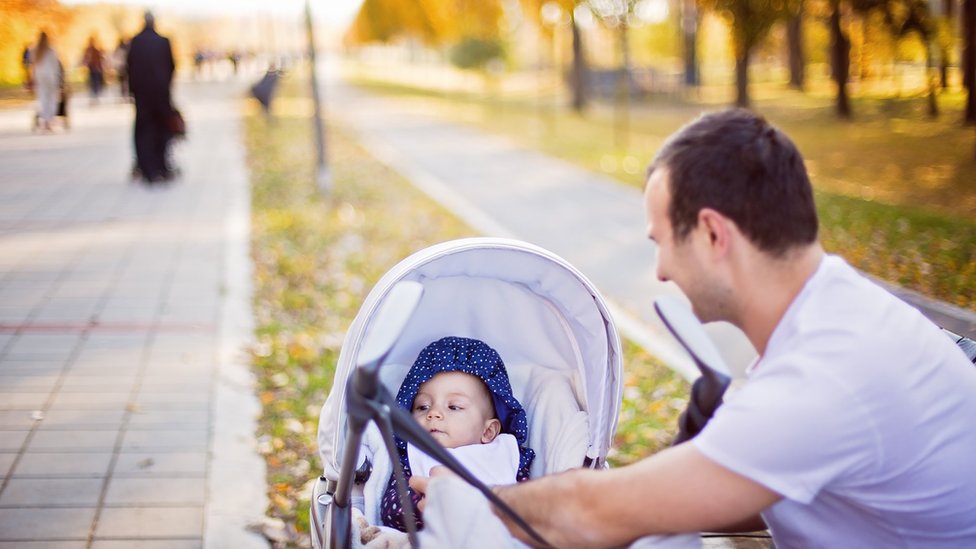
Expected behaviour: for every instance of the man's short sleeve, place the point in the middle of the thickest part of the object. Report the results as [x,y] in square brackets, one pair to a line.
[791,428]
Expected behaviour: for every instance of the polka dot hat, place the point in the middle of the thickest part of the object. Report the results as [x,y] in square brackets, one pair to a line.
[471,356]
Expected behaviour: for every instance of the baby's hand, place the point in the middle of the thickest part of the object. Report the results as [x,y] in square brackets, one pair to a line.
[419,485]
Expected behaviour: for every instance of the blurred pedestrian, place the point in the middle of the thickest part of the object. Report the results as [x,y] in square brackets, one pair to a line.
[150,64]
[48,77]
[120,67]
[25,62]
[94,61]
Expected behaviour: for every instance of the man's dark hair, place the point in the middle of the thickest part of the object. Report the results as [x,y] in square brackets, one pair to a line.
[738,164]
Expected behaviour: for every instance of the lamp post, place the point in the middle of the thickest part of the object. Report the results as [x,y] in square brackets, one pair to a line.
[322,176]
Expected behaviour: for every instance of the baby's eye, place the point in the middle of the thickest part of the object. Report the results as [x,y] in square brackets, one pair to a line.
[454,407]
[420,408]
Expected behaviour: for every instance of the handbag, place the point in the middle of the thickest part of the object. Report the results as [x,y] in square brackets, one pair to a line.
[176,124]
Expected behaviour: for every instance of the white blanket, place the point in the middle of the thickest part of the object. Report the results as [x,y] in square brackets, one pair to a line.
[493,463]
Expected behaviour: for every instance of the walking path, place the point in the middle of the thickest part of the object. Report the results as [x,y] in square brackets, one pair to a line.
[594,222]
[126,407]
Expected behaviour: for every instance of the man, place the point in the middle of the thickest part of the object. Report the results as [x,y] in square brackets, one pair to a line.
[855,425]
[150,65]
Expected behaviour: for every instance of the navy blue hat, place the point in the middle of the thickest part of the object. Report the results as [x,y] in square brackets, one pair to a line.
[471,356]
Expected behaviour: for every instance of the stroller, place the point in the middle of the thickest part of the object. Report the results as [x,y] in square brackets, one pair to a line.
[547,321]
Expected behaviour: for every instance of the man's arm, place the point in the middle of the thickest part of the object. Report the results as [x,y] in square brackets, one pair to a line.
[676,490]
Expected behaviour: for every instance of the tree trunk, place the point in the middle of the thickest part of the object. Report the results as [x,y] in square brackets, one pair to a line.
[578,77]
[689,31]
[930,78]
[794,40]
[969,57]
[840,60]
[742,78]
[948,11]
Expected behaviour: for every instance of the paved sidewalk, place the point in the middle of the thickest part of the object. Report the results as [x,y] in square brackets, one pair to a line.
[126,414]
[594,222]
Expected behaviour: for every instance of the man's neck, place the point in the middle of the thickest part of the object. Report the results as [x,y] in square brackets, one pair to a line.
[771,286]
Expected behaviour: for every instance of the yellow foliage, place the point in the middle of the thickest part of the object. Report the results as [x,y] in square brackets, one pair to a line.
[433,22]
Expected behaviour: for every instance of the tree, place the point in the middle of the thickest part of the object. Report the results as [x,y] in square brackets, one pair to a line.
[579,69]
[948,14]
[969,57]
[433,22]
[20,22]
[840,59]
[907,17]
[749,21]
[690,21]
[794,42]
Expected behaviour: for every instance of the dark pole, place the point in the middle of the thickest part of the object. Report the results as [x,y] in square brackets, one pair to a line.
[322,176]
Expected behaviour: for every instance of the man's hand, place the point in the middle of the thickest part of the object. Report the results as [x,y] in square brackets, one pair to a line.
[419,484]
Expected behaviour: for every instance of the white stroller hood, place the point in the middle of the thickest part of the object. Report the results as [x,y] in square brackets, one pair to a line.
[533,307]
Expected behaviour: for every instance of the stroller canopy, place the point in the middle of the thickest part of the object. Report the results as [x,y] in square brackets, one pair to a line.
[533,307]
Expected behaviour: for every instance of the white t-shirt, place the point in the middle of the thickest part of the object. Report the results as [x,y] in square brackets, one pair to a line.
[493,463]
[862,414]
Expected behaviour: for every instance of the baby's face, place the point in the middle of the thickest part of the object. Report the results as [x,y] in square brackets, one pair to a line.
[456,409]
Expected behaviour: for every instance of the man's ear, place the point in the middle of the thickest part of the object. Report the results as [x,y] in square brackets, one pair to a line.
[716,228]
[492,428]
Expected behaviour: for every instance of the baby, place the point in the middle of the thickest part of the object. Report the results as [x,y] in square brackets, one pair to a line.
[459,391]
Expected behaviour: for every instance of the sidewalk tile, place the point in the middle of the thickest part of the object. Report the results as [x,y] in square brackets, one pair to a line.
[90,401]
[143,440]
[143,419]
[15,418]
[161,463]
[156,490]
[42,544]
[147,544]
[51,463]
[23,401]
[12,440]
[94,358]
[13,367]
[13,316]
[22,492]
[27,383]
[73,441]
[113,341]
[150,399]
[95,420]
[38,344]
[195,383]
[6,462]
[127,315]
[122,382]
[40,523]
[150,522]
